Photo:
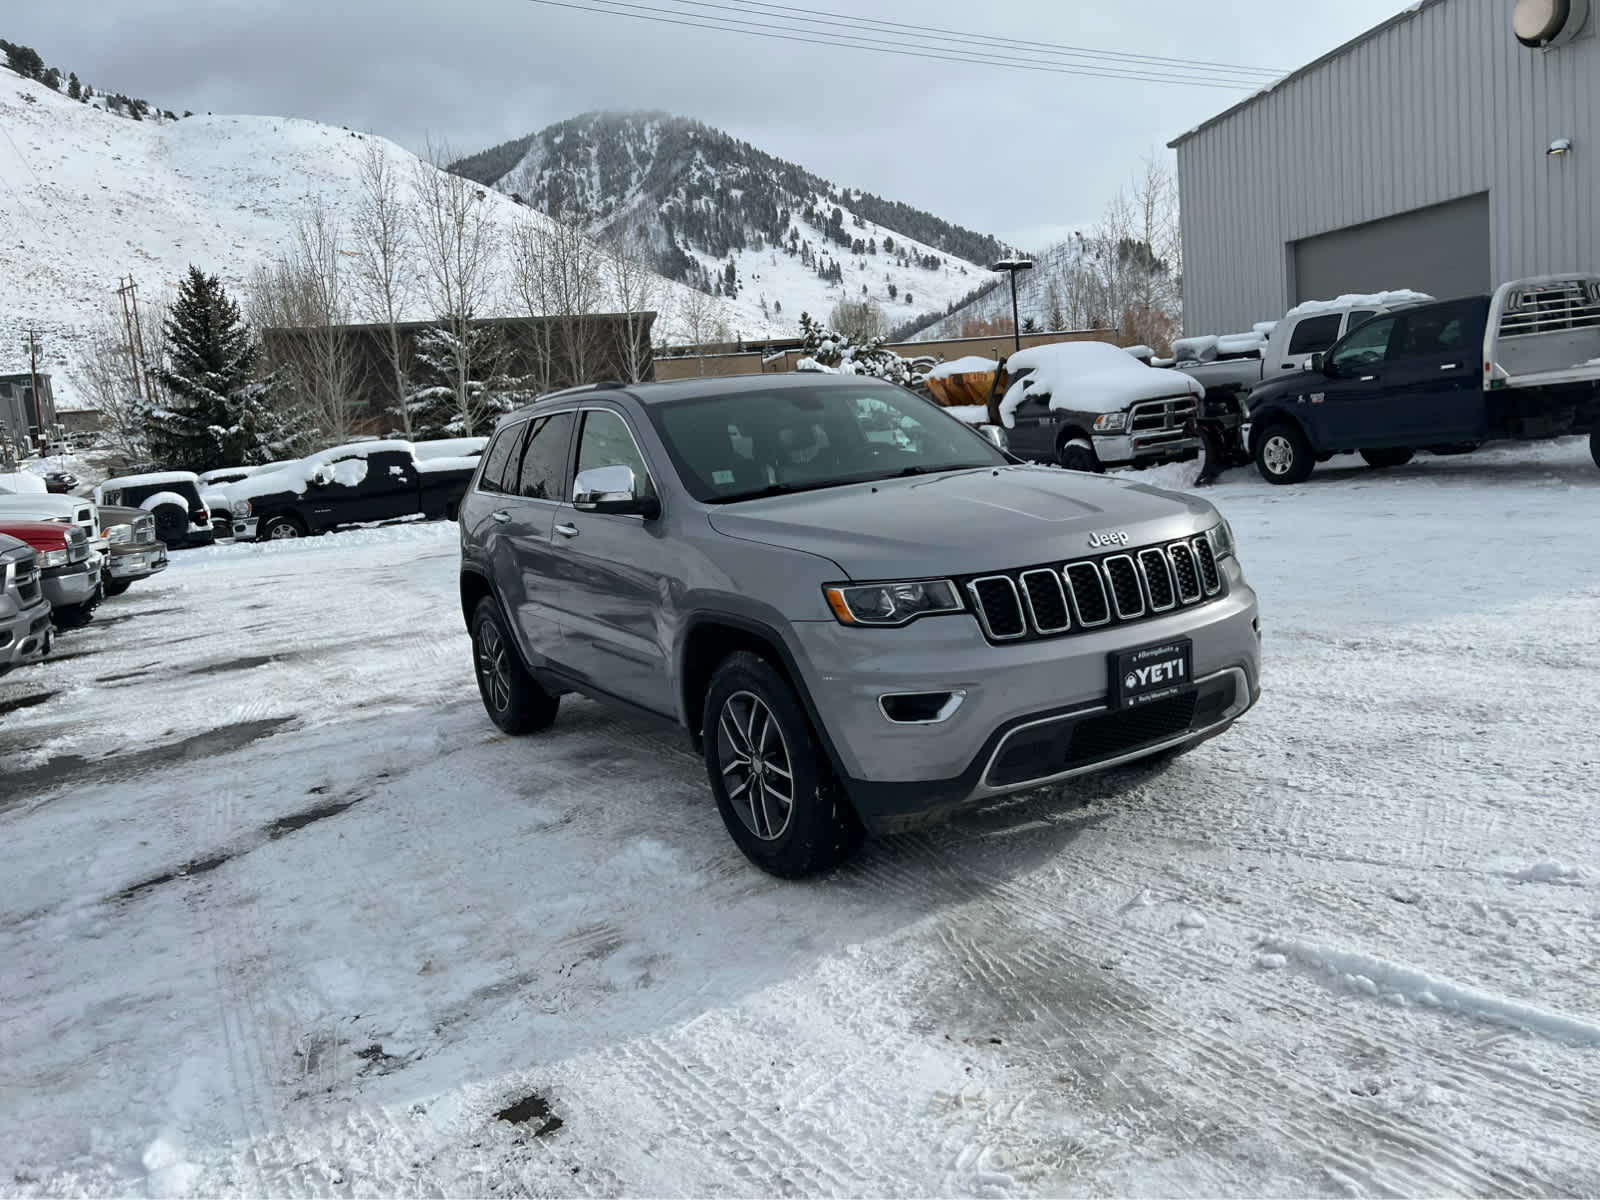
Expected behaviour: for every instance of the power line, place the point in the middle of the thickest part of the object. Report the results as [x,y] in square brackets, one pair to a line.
[933,32]
[618,8]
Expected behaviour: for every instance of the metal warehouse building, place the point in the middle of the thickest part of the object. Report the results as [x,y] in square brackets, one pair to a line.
[1440,151]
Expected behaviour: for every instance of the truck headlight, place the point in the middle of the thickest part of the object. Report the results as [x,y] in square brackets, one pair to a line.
[240,508]
[53,558]
[1112,422]
[1220,536]
[119,533]
[892,603]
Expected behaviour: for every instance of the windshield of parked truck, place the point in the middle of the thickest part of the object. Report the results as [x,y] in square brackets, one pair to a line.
[746,444]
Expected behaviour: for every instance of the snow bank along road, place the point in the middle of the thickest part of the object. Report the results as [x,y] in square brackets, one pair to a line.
[284,914]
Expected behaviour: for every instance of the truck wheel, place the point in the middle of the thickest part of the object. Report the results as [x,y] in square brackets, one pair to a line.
[1283,454]
[76,616]
[776,793]
[1387,458]
[512,697]
[172,524]
[274,528]
[115,587]
[1077,454]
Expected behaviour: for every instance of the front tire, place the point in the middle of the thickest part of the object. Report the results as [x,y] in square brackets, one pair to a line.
[280,528]
[1076,454]
[777,794]
[1283,454]
[1381,459]
[512,697]
[115,587]
[76,616]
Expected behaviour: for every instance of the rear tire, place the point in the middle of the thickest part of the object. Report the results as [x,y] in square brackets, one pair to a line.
[512,697]
[778,796]
[1075,456]
[1387,458]
[1283,454]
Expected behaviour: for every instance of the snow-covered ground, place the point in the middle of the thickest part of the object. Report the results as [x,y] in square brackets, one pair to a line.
[285,914]
[88,197]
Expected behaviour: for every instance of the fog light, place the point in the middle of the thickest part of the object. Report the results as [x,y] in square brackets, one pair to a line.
[920,708]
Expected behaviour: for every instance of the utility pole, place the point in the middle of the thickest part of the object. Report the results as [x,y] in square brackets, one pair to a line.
[33,373]
[128,291]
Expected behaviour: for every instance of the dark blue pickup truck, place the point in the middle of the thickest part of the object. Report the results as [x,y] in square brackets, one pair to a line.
[1444,377]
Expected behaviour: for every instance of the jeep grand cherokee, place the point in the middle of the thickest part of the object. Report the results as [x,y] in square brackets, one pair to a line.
[864,614]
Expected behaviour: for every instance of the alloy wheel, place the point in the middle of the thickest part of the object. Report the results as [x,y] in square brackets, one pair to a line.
[1278,454]
[756,766]
[283,529]
[494,667]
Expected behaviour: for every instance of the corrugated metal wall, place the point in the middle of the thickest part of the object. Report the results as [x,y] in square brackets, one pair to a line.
[1440,105]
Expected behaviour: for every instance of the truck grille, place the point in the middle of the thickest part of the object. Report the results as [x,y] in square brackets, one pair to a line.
[28,583]
[1160,416]
[1048,601]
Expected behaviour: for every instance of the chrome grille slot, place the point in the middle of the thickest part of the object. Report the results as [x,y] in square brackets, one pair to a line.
[1089,599]
[999,607]
[1157,580]
[1126,593]
[1210,576]
[1185,571]
[1047,601]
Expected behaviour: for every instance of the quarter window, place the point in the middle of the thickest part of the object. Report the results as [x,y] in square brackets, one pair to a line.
[500,455]
[1314,334]
[546,457]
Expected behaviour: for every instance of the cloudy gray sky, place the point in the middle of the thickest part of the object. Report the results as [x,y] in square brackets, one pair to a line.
[1023,154]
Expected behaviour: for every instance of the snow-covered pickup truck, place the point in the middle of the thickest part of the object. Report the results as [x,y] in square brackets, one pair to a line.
[1284,346]
[182,515]
[1522,364]
[347,485]
[1091,405]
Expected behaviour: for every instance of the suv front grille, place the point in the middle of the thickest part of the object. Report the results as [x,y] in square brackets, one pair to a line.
[1048,601]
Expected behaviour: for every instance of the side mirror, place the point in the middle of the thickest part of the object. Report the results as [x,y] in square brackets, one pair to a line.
[323,476]
[1320,362]
[611,490]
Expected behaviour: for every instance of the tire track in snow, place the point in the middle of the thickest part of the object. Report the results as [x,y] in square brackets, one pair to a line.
[1399,1157]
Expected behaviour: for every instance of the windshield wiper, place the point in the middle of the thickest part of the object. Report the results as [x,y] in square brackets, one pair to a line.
[778,489]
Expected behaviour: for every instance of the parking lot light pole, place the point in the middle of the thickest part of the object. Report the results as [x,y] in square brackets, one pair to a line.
[1011,266]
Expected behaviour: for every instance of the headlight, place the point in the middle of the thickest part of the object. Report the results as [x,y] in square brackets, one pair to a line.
[53,558]
[240,508]
[1221,538]
[892,603]
[119,533]
[1114,422]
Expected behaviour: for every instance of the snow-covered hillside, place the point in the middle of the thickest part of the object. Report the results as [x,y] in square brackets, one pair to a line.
[715,210]
[87,197]
[1046,294]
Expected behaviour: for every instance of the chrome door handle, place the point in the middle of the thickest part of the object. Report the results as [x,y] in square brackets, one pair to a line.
[502,516]
[1449,366]
[1368,378]
[567,530]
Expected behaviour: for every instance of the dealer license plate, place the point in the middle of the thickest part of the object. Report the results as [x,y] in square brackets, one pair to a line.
[1148,673]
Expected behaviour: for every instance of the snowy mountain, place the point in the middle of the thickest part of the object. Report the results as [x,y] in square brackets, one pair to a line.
[1054,295]
[738,222]
[88,197]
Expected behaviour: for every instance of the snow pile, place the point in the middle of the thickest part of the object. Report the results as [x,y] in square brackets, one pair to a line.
[464,447]
[1241,344]
[1392,299]
[22,481]
[1264,328]
[1211,346]
[341,464]
[972,364]
[1088,377]
[1200,348]
[437,466]
[1140,351]
[972,414]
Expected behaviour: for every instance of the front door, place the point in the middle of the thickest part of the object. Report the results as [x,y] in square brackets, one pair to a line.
[1345,409]
[617,570]
[1033,433]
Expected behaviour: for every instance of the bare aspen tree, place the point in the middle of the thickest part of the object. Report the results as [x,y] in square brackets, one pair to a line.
[700,318]
[530,284]
[455,244]
[635,292]
[385,283]
[108,377]
[573,265]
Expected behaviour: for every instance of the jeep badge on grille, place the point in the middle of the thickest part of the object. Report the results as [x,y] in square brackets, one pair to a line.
[1118,537]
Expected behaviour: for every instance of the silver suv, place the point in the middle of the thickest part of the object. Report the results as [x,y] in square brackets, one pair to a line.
[864,614]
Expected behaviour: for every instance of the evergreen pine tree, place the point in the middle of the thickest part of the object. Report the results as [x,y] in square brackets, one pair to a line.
[52,79]
[220,413]
[74,88]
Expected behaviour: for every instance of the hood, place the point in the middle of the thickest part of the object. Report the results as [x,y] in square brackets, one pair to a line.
[963,523]
[41,535]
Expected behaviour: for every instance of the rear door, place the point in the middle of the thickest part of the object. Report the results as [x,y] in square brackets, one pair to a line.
[1431,377]
[528,480]
[617,569]
[1345,408]
[390,488]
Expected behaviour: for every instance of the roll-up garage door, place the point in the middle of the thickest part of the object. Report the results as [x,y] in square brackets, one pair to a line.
[1442,250]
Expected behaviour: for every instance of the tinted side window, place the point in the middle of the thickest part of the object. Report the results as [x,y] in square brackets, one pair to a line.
[546,457]
[500,455]
[1355,316]
[1367,345]
[1314,334]
[1428,334]
[607,442]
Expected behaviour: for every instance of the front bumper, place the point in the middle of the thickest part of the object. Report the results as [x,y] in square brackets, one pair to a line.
[73,584]
[1118,449]
[244,528]
[25,636]
[1024,707]
[136,562]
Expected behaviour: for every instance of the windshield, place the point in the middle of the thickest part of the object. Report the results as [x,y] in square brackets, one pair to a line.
[759,443]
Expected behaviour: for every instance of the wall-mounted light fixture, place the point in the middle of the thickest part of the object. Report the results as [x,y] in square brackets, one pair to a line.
[1559,147]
